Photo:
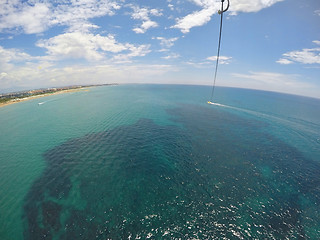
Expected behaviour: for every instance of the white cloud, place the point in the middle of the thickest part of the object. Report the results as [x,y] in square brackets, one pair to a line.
[88,46]
[210,7]
[268,77]
[171,56]
[195,19]
[29,77]
[163,50]
[17,66]
[77,14]
[305,56]
[171,7]
[36,16]
[145,26]
[222,59]
[3,74]
[284,61]
[271,81]
[250,5]
[140,13]
[78,45]
[138,30]
[156,12]
[316,42]
[209,62]
[199,64]
[317,12]
[166,42]
[31,18]
[13,55]
[205,3]
[144,14]
[134,51]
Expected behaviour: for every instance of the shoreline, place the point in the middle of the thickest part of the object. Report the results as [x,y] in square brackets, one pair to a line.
[18,100]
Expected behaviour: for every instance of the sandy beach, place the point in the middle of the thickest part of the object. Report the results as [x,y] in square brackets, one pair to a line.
[17,100]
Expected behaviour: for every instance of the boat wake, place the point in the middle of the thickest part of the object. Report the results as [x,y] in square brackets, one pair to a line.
[51,100]
[274,118]
[260,114]
[217,104]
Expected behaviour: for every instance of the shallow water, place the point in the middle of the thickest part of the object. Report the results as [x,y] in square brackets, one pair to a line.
[156,161]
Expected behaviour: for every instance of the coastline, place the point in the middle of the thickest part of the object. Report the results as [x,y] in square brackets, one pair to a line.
[17,100]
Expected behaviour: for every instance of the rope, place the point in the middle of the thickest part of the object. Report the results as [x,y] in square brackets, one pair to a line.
[218,54]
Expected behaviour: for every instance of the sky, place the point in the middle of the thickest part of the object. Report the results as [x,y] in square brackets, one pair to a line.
[271,45]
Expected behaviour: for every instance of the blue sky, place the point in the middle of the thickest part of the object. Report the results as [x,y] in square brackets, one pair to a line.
[266,44]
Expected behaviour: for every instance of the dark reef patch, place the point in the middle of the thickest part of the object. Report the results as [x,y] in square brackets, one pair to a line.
[216,176]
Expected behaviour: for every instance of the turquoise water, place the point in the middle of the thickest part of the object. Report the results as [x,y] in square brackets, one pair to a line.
[156,161]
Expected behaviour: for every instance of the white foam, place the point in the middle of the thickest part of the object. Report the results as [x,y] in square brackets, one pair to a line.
[217,104]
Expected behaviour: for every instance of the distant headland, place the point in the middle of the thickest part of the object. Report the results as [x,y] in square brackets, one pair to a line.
[15,97]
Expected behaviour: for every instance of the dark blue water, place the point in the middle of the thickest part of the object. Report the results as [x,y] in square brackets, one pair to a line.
[156,161]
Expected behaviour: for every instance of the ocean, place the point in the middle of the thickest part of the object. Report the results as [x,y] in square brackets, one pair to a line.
[158,162]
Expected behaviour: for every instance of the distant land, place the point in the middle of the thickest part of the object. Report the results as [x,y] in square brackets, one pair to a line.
[15,97]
